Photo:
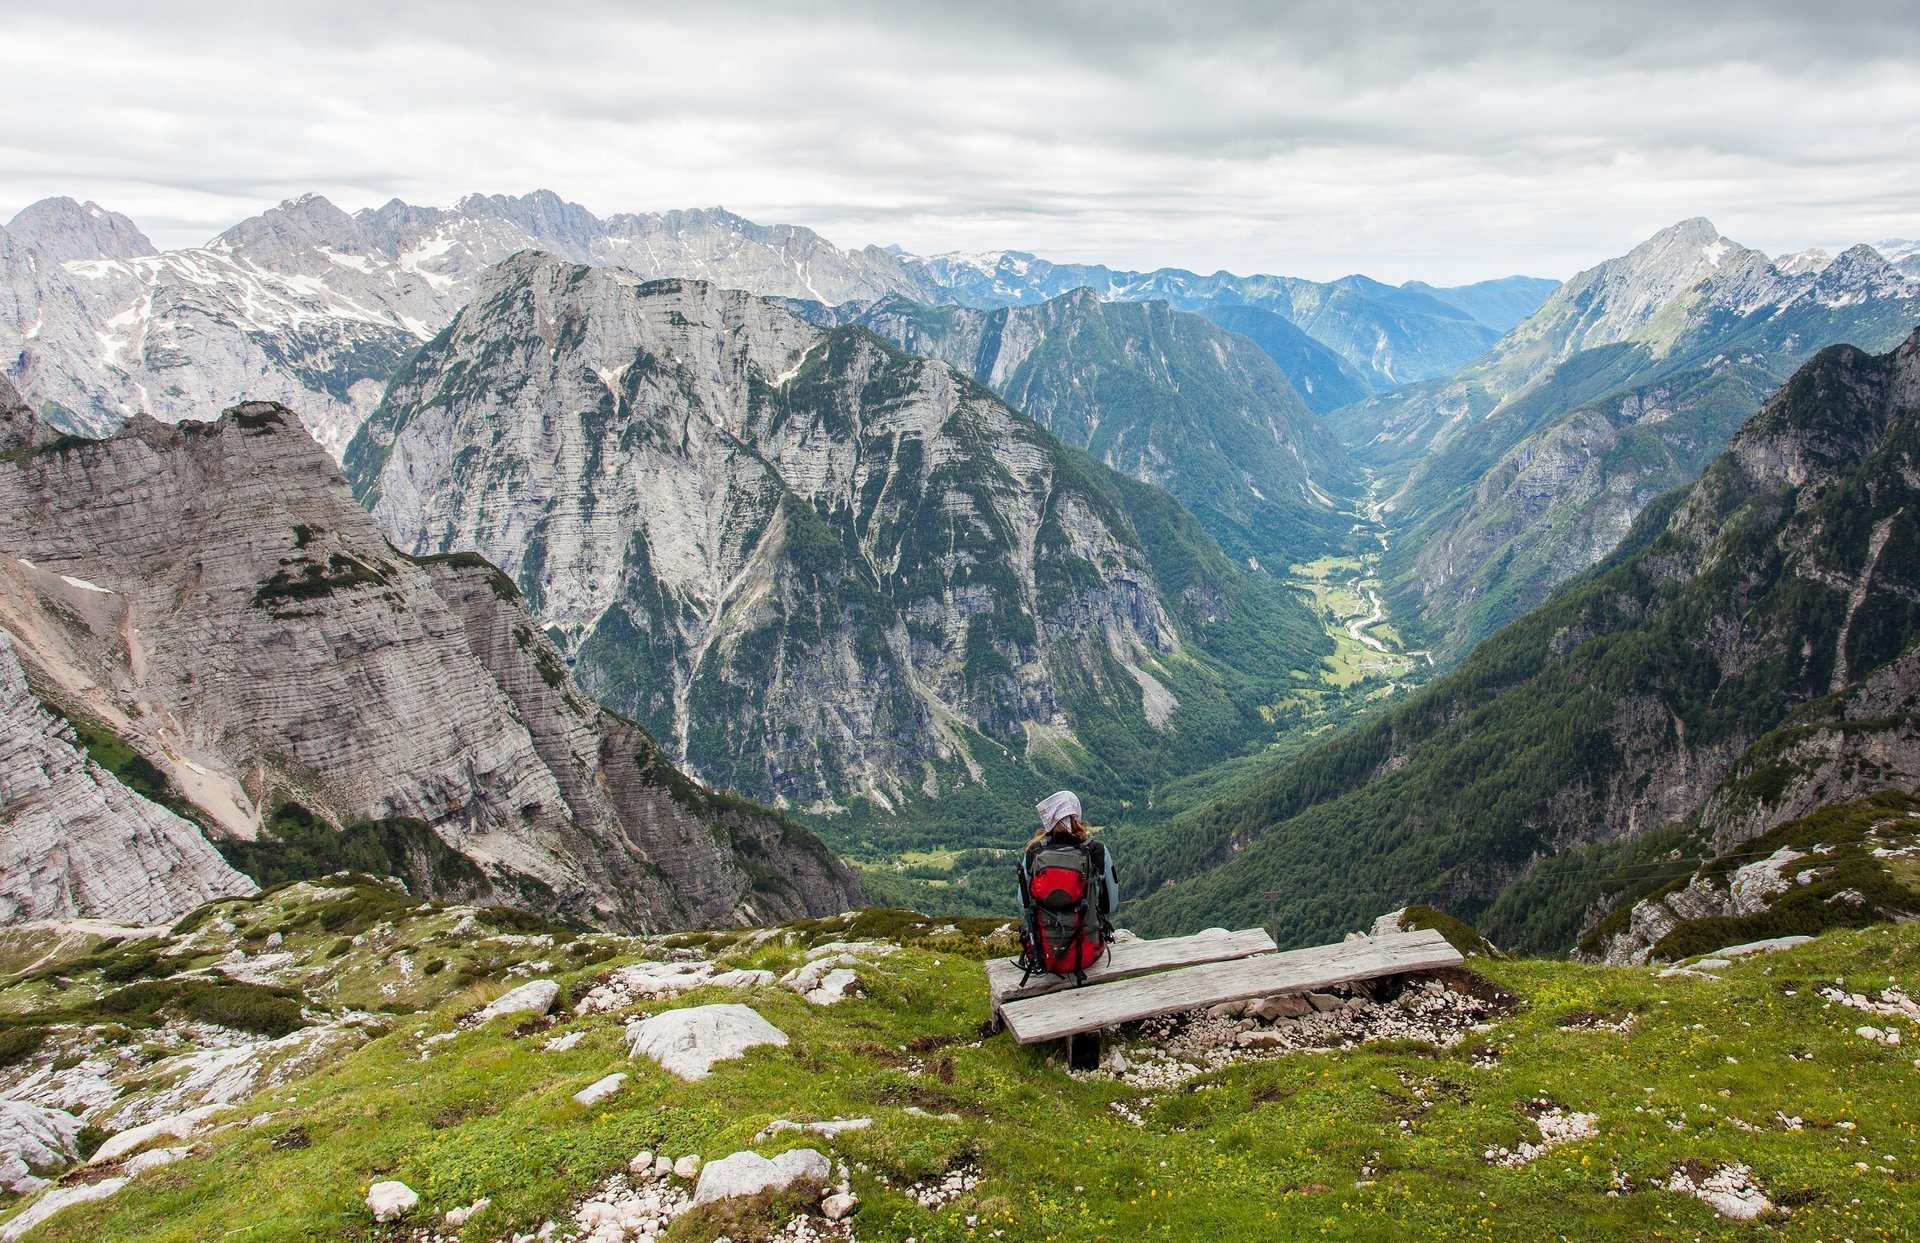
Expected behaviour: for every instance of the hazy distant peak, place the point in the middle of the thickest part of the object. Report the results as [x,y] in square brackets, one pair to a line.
[307,221]
[63,229]
[1812,259]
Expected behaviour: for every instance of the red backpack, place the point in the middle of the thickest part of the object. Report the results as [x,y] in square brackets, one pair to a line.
[1060,891]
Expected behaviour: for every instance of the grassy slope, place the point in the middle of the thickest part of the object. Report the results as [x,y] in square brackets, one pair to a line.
[1266,1149]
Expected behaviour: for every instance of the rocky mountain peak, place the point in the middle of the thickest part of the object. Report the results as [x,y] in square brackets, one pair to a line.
[65,230]
[1812,259]
[821,569]
[545,216]
[308,221]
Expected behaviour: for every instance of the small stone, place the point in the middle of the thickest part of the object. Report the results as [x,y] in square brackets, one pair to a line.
[390,1201]
[1323,1002]
[458,1217]
[688,1042]
[1285,1006]
[600,1089]
[686,1167]
[533,997]
[642,1164]
[662,1165]
[749,1173]
[839,1207]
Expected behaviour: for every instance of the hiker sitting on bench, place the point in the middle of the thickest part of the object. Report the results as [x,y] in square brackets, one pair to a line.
[1068,891]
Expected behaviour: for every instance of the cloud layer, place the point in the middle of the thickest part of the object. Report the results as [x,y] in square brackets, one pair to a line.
[1448,142]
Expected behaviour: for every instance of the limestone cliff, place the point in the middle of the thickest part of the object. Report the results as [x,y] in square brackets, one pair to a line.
[77,843]
[821,569]
[250,633]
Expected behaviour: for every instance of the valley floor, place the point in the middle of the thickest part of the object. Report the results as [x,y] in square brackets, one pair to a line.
[1534,1099]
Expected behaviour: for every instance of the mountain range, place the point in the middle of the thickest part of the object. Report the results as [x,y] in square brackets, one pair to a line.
[314,307]
[826,571]
[1390,335]
[1531,463]
[1161,395]
[1651,700]
[246,661]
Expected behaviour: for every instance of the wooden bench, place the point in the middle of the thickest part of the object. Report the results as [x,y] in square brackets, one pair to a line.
[1126,996]
[1130,958]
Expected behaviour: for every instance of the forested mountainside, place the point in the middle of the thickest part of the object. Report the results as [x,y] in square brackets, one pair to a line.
[1390,335]
[225,630]
[824,571]
[1530,464]
[1788,573]
[1325,380]
[1163,396]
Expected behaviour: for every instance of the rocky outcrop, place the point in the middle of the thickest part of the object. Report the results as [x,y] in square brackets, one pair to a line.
[78,844]
[688,1042]
[819,569]
[211,594]
[34,1141]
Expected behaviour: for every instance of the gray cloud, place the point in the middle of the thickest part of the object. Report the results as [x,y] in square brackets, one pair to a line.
[1444,141]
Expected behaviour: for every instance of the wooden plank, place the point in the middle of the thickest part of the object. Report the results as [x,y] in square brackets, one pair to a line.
[1054,1015]
[1134,958]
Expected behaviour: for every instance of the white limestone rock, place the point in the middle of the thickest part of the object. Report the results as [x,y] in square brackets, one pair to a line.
[55,1200]
[534,997]
[391,1200]
[154,1158]
[78,844]
[749,1173]
[458,1217]
[825,981]
[174,1126]
[600,1089]
[688,1042]
[34,1141]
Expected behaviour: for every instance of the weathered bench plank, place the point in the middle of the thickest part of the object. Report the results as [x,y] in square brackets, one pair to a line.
[1054,1015]
[1133,958]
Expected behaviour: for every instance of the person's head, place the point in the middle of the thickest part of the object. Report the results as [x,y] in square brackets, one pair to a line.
[1060,816]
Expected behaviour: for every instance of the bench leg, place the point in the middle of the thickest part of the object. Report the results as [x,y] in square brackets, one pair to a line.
[1083,1051]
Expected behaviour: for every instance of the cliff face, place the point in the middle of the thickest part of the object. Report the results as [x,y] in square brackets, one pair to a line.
[821,569]
[78,844]
[258,641]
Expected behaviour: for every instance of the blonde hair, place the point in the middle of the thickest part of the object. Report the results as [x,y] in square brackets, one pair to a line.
[1072,826]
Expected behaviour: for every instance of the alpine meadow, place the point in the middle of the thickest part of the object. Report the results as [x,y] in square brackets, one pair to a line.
[1227,621]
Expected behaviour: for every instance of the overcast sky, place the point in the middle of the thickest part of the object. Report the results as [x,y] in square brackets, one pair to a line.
[1447,141]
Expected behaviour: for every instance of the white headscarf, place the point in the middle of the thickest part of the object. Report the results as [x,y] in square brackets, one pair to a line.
[1057,807]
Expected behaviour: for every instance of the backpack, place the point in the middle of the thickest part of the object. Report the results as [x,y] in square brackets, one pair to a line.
[1060,891]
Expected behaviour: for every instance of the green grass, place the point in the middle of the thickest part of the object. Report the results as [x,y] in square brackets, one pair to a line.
[1269,1149]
